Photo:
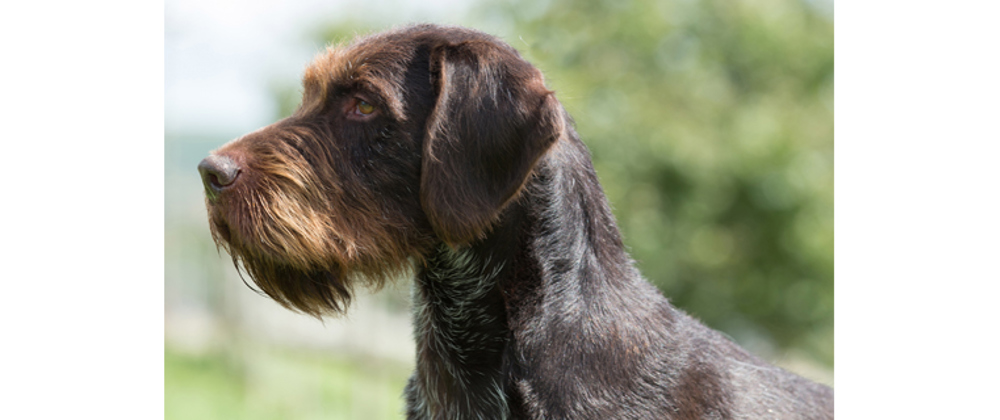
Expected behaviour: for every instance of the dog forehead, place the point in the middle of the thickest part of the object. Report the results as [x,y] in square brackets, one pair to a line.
[373,63]
[378,61]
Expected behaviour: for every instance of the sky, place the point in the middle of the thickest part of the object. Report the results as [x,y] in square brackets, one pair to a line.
[222,57]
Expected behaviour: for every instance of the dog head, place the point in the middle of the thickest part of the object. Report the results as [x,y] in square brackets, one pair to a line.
[403,140]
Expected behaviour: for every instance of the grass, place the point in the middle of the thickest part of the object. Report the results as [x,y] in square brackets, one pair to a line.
[267,383]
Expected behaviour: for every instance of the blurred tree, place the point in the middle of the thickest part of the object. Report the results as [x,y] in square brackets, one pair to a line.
[711,128]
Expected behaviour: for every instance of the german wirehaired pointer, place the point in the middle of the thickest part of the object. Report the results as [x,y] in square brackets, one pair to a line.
[438,152]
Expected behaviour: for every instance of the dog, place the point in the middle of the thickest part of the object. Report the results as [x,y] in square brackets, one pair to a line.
[438,152]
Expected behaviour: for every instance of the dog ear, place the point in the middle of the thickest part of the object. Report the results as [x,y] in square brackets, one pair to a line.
[493,119]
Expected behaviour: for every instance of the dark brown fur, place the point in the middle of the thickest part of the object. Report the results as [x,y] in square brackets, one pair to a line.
[468,172]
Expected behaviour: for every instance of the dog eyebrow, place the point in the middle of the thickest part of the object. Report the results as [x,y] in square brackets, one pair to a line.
[322,77]
[340,71]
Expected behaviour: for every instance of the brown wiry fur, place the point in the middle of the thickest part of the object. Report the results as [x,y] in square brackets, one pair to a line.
[298,240]
[296,225]
[312,208]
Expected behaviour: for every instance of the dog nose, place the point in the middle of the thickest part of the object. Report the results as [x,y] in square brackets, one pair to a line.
[217,172]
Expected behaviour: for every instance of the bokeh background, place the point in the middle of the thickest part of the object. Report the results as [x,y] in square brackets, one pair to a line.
[711,128]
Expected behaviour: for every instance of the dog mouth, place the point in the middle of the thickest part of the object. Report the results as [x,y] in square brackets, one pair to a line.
[221,233]
[303,243]
[312,286]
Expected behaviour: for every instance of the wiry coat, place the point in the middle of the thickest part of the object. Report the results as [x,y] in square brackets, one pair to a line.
[526,305]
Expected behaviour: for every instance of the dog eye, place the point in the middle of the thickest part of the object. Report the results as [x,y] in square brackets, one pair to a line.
[365,108]
[359,109]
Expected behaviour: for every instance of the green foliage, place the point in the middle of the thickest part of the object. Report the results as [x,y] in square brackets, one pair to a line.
[711,127]
[257,383]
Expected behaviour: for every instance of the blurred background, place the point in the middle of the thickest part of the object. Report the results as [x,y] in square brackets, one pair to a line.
[711,128]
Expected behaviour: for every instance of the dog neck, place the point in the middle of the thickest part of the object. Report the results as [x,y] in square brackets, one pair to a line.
[575,238]
[461,330]
[467,301]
